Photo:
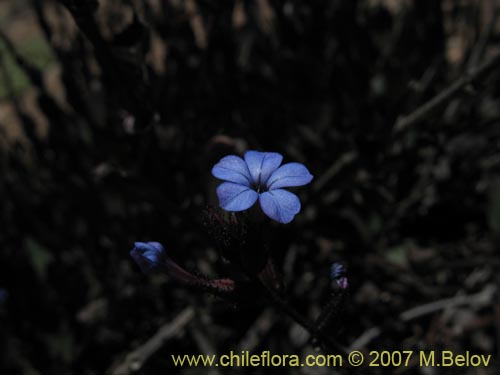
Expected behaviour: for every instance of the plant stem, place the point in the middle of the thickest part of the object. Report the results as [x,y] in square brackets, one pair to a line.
[302,321]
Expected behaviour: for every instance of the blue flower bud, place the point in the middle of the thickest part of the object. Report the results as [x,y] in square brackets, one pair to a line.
[149,256]
[336,270]
[337,275]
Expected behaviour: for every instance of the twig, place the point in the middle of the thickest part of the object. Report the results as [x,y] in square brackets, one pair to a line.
[135,360]
[481,298]
[497,324]
[444,96]
[259,328]
[334,169]
[482,42]
[304,322]
[474,299]
[200,337]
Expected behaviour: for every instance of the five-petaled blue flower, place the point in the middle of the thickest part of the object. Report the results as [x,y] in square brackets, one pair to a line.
[260,176]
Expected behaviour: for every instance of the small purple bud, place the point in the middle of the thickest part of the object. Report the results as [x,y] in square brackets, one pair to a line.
[338,275]
[343,283]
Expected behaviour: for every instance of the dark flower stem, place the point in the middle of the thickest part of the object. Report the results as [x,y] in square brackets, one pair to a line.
[330,311]
[283,305]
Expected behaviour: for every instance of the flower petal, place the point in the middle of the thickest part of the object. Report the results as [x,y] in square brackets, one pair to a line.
[233,169]
[234,197]
[280,205]
[262,164]
[155,245]
[290,174]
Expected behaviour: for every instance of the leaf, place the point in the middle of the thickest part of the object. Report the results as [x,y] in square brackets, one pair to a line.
[40,257]
[399,254]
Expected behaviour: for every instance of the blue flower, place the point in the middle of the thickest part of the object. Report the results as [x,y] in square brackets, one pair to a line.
[259,176]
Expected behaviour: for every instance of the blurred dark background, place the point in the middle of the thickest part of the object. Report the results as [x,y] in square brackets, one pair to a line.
[112,114]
